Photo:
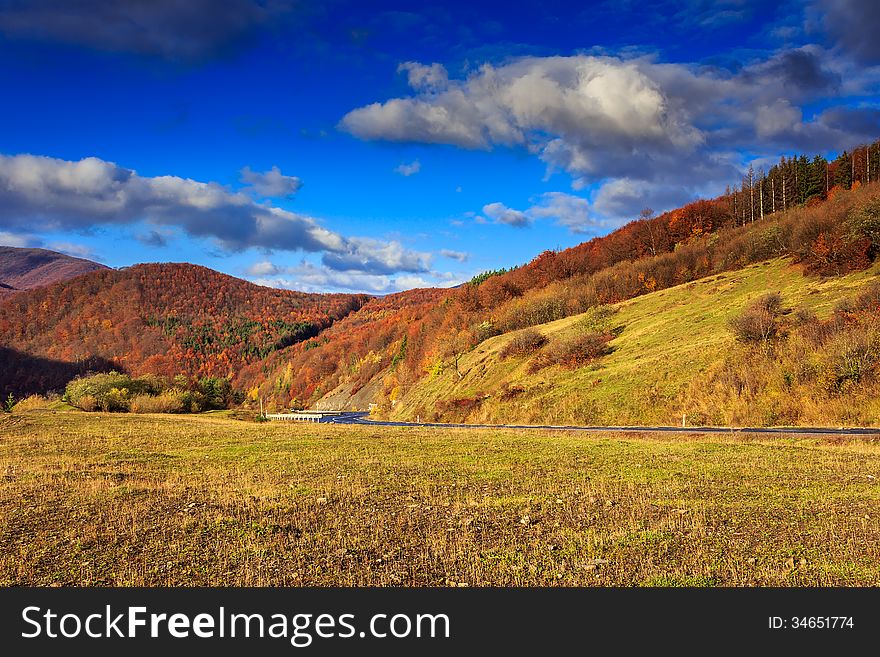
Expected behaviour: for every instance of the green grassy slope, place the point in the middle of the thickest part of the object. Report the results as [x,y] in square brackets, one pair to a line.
[667,340]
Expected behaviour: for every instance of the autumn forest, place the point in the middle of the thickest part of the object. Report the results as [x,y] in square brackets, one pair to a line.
[291,349]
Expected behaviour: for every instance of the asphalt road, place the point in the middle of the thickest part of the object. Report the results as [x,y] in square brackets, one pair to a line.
[361,418]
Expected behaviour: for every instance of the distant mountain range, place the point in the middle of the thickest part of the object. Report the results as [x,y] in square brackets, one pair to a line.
[25,269]
[167,319]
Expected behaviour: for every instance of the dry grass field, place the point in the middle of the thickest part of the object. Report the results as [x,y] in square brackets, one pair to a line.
[111,500]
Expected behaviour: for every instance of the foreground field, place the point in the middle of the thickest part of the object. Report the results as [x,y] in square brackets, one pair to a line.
[88,499]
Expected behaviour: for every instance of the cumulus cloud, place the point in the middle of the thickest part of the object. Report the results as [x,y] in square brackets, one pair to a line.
[572,212]
[602,118]
[191,30]
[271,183]
[410,169]
[460,256]
[432,77]
[500,213]
[28,241]
[42,193]
[264,268]
[309,277]
[624,198]
[376,257]
[569,211]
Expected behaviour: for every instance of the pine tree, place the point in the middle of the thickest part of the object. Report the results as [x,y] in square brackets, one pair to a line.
[843,176]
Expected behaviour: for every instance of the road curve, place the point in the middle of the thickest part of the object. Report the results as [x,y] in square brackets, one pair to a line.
[361,418]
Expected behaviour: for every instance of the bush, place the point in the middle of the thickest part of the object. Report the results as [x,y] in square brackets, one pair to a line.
[759,322]
[576,352]
[87,403]
[864,223]
[524,343]
[116,392]
[218,392]
[534,312]
[852,357]
[598,319]
[32,403]
[869,300]
[110,392]
[170,401]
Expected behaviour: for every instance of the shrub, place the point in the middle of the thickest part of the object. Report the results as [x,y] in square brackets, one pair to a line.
[34,402]
[218,392]
[111,391]
[852,357]
[509,392]
[598,319]
[87,403]
[170,401]
[759,322]
[524,343]
[575,352]
[869,300]
[457,409]
[864,223]
[533,312]
[149,394]
[485,330]
[814,330]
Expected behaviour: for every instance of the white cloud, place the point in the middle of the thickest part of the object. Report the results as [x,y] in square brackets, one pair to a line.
[72,249]
[431,77]
[20,240]
[263,268]
[28,241]
[308,277]
[271,183]
[572,212]
[602,118]
[410,169]
[376,257]
[42,193]
[502,214]
[569,211]
[624,198]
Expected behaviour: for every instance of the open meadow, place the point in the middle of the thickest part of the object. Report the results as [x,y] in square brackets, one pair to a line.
[159,500]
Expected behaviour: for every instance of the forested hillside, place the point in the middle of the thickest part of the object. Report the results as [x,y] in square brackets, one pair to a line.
[166,319]
[295,349]
[784,212]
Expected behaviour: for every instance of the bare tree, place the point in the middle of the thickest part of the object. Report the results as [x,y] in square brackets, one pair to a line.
[647,214]
[761,189]
[751,194]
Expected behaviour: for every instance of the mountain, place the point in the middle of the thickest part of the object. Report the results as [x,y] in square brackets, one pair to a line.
[673,354]
[438,355]
[166,319]
[24,269]
[627,327]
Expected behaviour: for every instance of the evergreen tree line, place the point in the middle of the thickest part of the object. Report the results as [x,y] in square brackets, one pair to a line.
[799,180]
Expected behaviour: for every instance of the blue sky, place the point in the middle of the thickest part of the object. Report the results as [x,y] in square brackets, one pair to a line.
[377,146]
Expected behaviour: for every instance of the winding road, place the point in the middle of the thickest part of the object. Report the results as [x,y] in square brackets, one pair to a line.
[361,418]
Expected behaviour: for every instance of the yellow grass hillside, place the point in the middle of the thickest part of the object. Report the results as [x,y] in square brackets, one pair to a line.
[666,351]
